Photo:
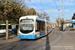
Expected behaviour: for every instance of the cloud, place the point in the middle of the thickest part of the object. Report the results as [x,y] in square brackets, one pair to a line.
[72,0]
[69,2]
[66,2]
[39,1]
[37,8]
[60,2]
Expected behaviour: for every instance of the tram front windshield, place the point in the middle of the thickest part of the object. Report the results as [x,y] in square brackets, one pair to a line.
[26,25]
[26,28]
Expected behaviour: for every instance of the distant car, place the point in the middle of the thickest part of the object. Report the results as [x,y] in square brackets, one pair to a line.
[13,31]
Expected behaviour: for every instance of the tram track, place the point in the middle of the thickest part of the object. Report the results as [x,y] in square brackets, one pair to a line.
[37,45]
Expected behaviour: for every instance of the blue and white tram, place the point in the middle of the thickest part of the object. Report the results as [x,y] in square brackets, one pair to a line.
[32,27]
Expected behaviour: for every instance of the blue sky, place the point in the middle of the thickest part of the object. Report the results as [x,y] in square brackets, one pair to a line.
[69,7]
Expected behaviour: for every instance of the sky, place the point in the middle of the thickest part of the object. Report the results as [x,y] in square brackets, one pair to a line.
[53,6]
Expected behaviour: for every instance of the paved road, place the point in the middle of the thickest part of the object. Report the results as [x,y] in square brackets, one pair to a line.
[56,40]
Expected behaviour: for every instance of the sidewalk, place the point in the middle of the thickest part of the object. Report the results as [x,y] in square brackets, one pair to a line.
[12,38]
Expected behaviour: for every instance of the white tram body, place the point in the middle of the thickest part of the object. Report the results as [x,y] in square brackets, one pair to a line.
[32,27]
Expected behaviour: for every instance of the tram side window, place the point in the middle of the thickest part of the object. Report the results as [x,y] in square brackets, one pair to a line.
[40,26]
[9,27]
[43,26]
[37,26]
[2,27]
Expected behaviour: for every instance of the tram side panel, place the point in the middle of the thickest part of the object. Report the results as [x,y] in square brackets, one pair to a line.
[40,29]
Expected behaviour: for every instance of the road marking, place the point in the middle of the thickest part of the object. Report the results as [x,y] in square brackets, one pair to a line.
[68,47]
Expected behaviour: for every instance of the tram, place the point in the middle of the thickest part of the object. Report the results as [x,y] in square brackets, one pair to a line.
[32,27]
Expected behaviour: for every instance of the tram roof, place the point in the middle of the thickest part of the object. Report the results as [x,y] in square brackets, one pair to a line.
[32,16]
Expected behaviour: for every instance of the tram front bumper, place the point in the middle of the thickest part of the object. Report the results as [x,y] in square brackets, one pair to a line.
[27,37]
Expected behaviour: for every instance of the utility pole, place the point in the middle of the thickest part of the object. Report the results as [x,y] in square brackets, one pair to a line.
[63,8]
[36,13]
[59,20]
[63,16]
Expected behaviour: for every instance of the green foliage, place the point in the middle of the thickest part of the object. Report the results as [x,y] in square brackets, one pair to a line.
[13,10]
[57,20]
[31,11]
[12,22]
[2,22]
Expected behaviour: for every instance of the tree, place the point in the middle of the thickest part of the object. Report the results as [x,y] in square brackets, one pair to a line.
[31,11]
[10,10]
[14,9]
[59,21]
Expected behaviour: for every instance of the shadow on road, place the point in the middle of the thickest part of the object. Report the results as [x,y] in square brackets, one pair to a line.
[49,32]
[47,43]
[28,39]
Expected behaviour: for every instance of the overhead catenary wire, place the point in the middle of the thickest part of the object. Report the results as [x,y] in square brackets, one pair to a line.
[41,3]
[38,7]
[53,17]
[62,7]
[56,5]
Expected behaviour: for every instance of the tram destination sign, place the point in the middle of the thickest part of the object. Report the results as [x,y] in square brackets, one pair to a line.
[26,20]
